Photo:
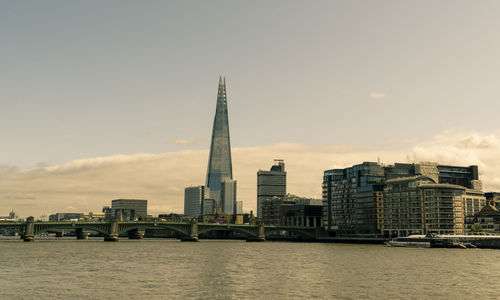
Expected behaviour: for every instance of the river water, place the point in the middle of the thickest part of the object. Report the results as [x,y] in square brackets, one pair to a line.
[228,269]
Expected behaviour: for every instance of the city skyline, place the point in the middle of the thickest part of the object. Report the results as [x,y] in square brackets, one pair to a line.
[87,118]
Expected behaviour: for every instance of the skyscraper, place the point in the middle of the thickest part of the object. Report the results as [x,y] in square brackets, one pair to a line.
[194,198]
[271,184]
[219,161]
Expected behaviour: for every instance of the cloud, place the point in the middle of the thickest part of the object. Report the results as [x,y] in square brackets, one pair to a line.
[377,95]
[88,184]
[185,142]
[180,142]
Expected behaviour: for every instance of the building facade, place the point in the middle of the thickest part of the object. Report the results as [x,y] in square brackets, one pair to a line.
[271,184]
[194,199]
[390,200]
[228,196]
[219,161]
[129,209]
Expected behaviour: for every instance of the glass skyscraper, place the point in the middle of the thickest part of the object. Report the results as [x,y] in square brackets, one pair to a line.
[219,161]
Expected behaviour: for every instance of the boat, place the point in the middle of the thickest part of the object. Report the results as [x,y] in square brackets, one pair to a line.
[415,241]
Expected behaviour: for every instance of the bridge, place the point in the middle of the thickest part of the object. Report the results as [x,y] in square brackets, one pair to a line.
[187,231]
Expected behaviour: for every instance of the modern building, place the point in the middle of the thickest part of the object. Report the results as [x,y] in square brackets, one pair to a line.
[172,217]
[361,199]
[228,196]
[129,209]
[271,184]
[219,160]
[419,205]
[58,217]
[239,207]
[194,199]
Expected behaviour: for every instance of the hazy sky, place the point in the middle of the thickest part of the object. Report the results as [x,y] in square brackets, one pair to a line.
[92,79]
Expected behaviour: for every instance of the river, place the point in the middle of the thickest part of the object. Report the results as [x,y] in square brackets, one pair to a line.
[229,269]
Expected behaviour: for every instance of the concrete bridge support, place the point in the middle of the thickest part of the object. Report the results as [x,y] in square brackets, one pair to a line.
[261,233]
[193,232]
[29,233]
[81,234]
[136,234]
[113,232]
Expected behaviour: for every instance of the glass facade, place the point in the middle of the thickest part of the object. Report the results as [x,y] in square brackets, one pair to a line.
[219,160]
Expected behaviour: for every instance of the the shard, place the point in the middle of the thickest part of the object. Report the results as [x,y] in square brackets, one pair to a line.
[219,161]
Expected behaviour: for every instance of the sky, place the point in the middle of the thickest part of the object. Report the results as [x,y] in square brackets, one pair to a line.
[116,99]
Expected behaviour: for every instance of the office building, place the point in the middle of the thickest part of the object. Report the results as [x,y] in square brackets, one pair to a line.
[271,184]
[194,199]
[360,199]
[228,196]
[219,160]
[58,217]
[239,207]
[129,209]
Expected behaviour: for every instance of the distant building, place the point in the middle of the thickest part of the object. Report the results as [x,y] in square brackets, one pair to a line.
[129,209]
[58,217]
[270,184]
[219,161]
[239,207]
[228,196]
[209,207]
[11,218]
[194,197]
[94,216]
[108,213]
[373,199]
[171,217]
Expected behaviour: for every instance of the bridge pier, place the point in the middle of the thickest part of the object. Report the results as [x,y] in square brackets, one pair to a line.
[29,233]
[60,233]
[193,232]
[82,234]
[112,236]
[136,234]
[261,237]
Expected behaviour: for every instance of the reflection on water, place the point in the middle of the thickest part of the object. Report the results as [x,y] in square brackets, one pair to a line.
[67,268]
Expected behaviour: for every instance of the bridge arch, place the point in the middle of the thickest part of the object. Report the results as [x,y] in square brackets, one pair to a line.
[20,232]
[71,226]
[298,231]
[247,233]
[173,228]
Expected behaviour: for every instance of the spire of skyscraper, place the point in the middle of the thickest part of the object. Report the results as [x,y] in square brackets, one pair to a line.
[219,160]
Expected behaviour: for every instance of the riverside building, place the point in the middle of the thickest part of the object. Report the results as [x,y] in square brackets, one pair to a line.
[396,200]
[271,184]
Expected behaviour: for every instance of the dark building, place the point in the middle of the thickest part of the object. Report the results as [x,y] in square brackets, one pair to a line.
[129,209]
[65,217]
[302,215]
[493,198]
[270,184]
[292,209]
